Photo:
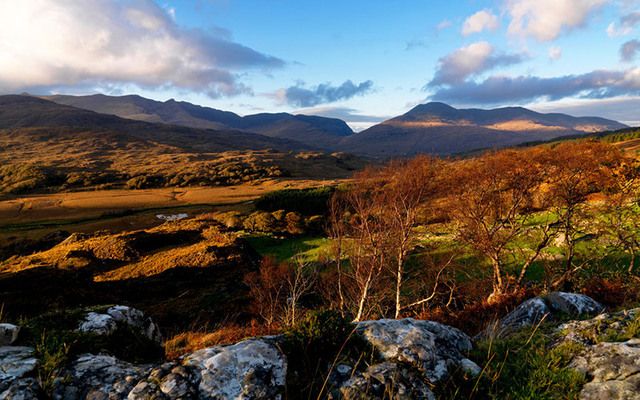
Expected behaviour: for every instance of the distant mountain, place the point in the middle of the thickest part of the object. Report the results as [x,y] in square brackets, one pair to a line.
[438,128]
[314,131]
[434,128]
[38,114]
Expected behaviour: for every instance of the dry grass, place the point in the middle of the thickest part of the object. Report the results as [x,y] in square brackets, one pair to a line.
[79,205]
[189,341]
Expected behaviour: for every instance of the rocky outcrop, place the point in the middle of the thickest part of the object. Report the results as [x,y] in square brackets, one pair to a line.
[17,363]
[8,334]
[106,323]
[253,369]
[551,306]
[98,377]
[608,354]
[613,370]
[387,380]
[415,356]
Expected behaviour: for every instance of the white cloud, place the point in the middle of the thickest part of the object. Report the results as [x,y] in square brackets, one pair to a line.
[545,20]
[95,43]
[480,21]
[555,53]
[469,61]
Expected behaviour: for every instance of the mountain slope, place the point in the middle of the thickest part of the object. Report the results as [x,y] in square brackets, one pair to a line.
[317,132]
[47,146]
[438,128]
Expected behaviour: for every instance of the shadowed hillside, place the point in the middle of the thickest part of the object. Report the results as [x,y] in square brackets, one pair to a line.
[317,132]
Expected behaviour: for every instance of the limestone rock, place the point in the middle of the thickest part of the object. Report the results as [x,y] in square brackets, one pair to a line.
[433,348]
[387,380]
[573,304]
[106,323]
[99,324]
[252,369]
[98,377]
[22,389]
[167,381]
[8,334]
[614,369]
[550,306]
[16,363]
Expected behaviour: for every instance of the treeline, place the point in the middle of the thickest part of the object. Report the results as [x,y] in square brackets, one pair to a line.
[404,235]
[21,179]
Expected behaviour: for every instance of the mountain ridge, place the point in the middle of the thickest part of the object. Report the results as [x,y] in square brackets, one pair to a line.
[314,131]
[434,127]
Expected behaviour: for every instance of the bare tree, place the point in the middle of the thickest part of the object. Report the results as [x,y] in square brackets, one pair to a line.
[489,203]
[300,282]
[577,170]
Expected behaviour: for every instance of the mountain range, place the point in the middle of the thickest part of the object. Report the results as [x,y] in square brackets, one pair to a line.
[435,128]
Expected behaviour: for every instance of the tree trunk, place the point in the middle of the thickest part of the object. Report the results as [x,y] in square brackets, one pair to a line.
[399,273]
[363,297]
[632,261]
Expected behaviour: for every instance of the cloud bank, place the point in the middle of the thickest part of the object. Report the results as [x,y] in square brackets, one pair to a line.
[500,90]
[300,96]
[94,43]
[470,61]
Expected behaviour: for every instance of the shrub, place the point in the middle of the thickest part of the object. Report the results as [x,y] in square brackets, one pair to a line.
[294,223]
[260,221]
[313,347]
[305,201]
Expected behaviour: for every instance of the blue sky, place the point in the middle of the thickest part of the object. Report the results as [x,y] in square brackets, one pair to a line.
[362,61]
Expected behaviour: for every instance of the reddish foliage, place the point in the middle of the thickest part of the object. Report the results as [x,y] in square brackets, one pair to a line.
[613,292]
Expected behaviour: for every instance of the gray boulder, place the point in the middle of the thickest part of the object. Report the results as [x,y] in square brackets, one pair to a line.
[613,369]
[433,348]
[22,389]
[551,306]
[167,381]
[106,323]
[17,365]
[8,334]
[387,380]
[98,377]
[252,369]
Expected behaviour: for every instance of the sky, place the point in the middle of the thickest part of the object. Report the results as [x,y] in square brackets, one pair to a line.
[358,60]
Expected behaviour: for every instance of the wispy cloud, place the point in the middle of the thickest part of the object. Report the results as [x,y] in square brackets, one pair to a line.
[301,96]
[94,43]
[469,61]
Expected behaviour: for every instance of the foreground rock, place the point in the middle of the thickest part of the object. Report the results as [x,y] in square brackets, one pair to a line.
[551,306]
[607,353]
[17,363]
[106,323]
[415,354]
[253,369]
[98,377]
[8,334]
